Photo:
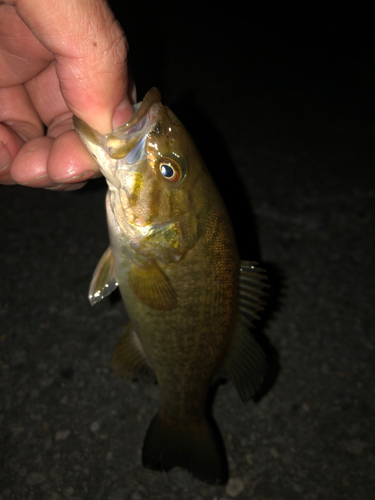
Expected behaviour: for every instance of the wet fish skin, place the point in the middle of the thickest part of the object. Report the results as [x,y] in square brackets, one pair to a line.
[173,254]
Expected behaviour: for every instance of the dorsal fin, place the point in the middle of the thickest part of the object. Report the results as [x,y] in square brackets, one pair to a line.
[104,280]
[251,290]
[246,364]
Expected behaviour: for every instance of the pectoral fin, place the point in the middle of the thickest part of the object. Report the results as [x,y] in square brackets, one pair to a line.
[129,358]
[104,280]
[152,286]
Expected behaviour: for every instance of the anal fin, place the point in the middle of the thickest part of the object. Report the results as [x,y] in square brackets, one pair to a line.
[129,358]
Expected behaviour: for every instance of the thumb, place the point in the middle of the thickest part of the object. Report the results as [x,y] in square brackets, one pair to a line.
[90,48]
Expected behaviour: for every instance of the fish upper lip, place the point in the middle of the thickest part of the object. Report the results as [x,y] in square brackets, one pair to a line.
[152,97]
[152,101]
[122,141]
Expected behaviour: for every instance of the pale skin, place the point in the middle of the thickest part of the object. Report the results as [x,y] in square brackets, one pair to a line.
[58,58]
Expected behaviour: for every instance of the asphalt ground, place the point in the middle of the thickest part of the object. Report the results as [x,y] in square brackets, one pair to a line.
[281,106]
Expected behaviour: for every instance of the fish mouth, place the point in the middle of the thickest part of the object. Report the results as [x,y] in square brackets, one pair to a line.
[118,143]
[121,141]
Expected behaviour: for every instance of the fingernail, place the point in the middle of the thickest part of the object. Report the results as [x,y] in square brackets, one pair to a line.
[35,182]
[5,158]
[84,176]
[123,112]
[66,187]
[57,187]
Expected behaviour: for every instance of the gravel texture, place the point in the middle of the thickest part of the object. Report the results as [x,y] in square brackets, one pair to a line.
[283,115]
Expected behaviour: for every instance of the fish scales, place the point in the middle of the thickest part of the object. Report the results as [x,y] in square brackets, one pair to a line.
[174,257]
[179,342]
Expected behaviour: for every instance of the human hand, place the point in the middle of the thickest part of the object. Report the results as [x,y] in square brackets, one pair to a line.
[58,58]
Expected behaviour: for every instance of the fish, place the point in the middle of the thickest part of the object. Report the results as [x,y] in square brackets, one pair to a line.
[190,299]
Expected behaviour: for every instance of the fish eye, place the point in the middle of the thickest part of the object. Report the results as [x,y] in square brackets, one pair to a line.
[166,171]
[170,169]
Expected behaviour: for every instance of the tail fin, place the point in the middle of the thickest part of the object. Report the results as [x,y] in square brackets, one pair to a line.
[200,450]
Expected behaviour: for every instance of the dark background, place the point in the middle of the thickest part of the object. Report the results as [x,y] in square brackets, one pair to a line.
[280,103]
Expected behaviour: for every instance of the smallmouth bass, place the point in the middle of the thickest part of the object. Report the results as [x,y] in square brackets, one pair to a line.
[189,298]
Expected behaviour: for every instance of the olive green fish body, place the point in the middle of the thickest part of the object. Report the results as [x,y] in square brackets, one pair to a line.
[173,254]
[187,345]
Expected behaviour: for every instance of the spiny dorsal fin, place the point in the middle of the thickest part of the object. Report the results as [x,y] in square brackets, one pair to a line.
[152,286]
[251,290]
[129,358]
[104,280]
[246,363]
